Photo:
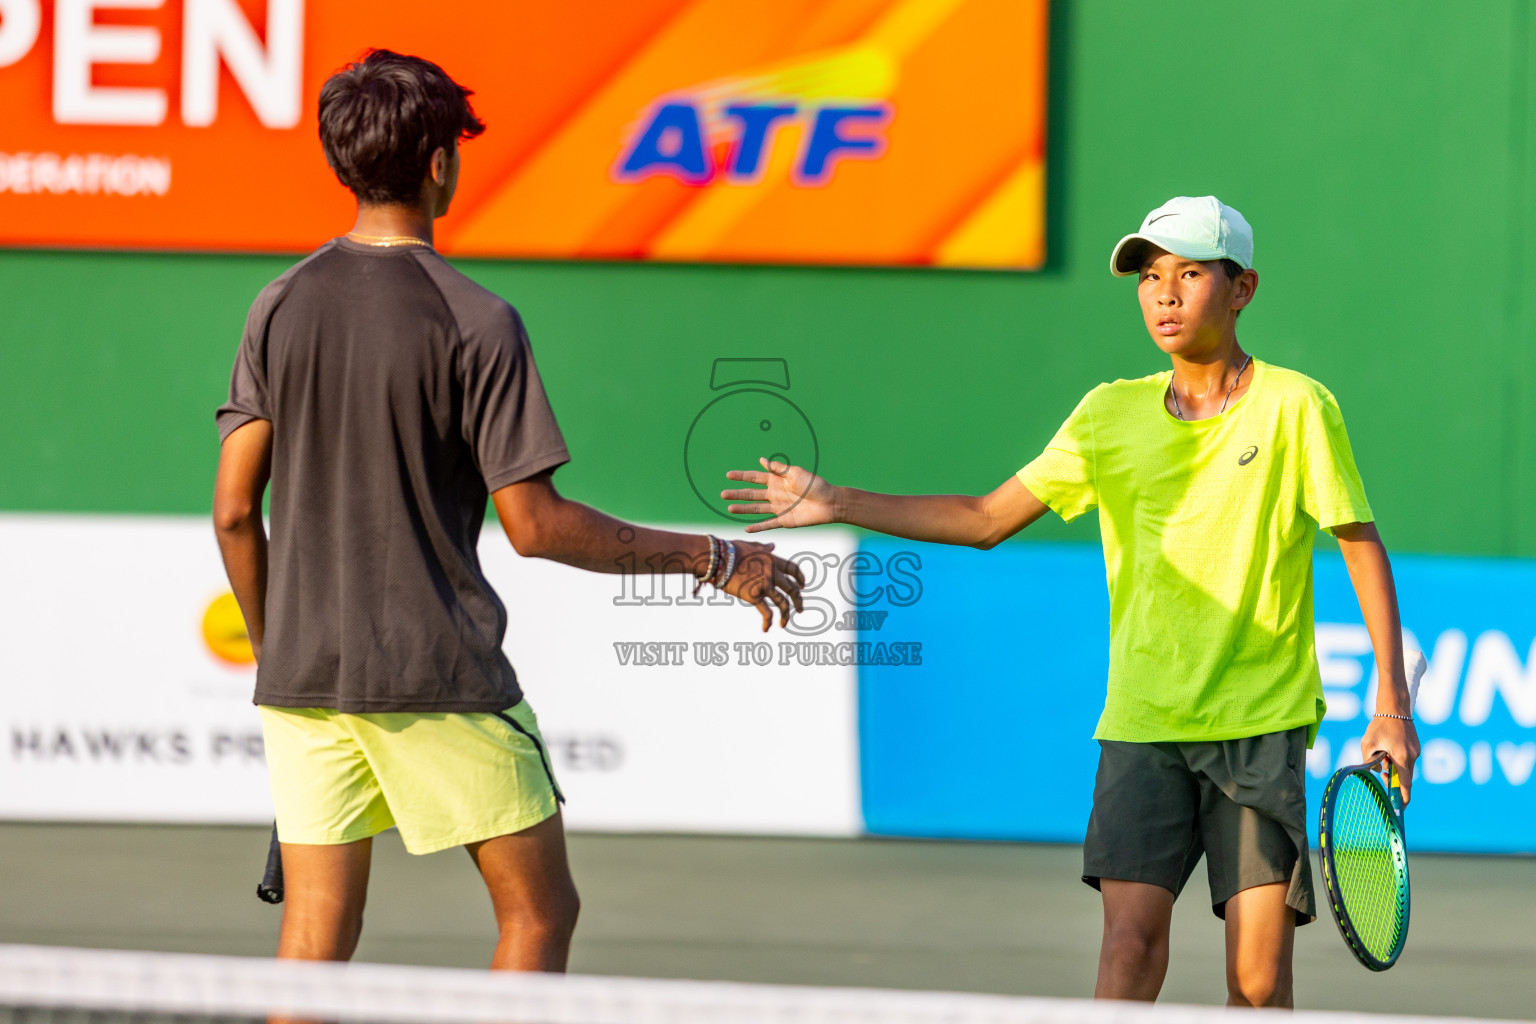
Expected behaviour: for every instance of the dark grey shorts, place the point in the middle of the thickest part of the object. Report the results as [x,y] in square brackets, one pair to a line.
[1157,807]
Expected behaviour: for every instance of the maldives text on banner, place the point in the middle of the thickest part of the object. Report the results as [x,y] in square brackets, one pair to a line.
[907,132]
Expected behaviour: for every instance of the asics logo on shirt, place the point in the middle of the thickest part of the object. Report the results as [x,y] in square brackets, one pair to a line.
[1247,456]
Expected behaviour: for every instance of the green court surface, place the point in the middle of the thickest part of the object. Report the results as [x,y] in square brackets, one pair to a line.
[1009,918]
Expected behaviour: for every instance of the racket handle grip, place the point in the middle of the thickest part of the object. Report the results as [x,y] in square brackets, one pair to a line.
[1394,790]
[271,888]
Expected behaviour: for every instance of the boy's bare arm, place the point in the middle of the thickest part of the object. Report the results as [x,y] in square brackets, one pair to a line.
[245,465]
[797,497]
[541,523]
[1371,573]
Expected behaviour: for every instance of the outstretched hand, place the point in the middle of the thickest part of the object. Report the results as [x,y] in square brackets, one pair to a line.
[792,495]
[763,580]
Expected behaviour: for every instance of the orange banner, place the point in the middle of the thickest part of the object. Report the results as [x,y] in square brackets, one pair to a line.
[907,132]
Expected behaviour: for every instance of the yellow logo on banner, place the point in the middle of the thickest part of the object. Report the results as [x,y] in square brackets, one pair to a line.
[224,631]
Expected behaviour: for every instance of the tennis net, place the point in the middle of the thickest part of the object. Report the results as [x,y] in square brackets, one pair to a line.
[46,984]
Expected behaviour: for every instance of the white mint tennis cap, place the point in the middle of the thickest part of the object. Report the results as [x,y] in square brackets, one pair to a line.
[1197,228]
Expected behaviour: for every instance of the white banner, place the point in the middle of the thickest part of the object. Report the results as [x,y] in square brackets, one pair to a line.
[125,697]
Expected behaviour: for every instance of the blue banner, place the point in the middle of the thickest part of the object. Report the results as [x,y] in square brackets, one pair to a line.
[1475,621]
[990,737]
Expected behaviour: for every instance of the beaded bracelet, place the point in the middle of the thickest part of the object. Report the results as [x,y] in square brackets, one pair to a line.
[715,545]
[730,565]
[1387,714]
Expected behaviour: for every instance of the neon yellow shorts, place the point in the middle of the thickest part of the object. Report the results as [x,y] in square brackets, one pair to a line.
[444,779]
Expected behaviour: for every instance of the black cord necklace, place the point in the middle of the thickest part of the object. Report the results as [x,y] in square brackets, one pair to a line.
[1230,388]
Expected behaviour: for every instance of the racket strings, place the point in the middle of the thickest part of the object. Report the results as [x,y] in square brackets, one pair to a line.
[1369,863]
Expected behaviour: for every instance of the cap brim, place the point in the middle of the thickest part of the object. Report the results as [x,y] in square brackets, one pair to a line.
[1125,261]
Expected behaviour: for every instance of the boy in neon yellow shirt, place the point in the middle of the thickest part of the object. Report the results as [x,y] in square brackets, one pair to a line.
[1211,480]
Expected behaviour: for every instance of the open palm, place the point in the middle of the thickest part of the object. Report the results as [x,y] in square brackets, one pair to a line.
[792,495]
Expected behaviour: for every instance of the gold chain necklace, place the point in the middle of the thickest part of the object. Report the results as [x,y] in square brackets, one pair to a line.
[387,241]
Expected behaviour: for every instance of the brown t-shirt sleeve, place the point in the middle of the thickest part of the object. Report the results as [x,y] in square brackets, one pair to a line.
[248,394]
[508,422]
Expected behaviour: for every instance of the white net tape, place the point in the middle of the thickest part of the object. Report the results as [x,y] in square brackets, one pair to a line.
[111,983]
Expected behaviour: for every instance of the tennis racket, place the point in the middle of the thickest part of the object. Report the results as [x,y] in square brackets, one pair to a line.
[1364,850]
[1365,861]
[270,888]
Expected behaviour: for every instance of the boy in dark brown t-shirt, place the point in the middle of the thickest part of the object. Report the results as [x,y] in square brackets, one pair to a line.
[385,396]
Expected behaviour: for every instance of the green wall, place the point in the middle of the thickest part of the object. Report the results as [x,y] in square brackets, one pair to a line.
[1382,151]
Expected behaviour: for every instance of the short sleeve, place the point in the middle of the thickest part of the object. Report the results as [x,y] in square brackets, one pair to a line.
[1330,488]
[248,399]
[508,422]
[1063,475]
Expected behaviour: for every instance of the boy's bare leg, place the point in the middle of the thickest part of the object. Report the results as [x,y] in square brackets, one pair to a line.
[1134,957]
[534,897]
[1261,934]
[325,889]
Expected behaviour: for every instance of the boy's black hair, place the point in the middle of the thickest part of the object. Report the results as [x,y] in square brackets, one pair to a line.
[381,119]
[1231,268]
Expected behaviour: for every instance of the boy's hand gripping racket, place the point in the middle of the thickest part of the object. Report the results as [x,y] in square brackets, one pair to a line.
[1364,853]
